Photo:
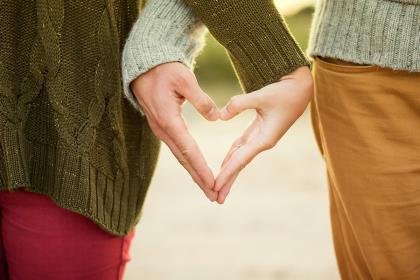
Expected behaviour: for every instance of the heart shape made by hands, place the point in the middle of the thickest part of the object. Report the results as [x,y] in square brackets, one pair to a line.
[275,110]
[163,90]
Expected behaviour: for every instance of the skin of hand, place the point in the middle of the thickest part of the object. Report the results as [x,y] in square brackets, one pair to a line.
[161,92]
[277,107]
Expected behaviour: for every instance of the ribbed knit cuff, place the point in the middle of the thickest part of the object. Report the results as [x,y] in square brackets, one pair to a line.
[258,41]
[166,31]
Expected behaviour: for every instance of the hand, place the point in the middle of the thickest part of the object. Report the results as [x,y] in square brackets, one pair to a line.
[277,106]
[161,92]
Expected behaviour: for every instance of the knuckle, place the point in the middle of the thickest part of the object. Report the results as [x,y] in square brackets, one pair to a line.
[185,78]
[269,145]
[182,162]
[166,124]
[205,106]
[234,104]
[186,153]
[160,120]
[159,116]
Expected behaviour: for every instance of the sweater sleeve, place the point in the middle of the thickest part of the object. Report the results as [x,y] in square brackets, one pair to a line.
[256,37]
[165,31]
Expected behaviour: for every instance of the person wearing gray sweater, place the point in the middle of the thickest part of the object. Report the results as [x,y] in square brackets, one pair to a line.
[366,118]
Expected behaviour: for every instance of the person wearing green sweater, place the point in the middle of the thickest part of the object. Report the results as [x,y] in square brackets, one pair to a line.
[77,154]
[365,115]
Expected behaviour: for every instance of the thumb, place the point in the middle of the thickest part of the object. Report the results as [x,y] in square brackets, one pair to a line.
[238,104]
[201,101]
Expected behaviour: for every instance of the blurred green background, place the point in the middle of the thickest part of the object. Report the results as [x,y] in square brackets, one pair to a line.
[214,70]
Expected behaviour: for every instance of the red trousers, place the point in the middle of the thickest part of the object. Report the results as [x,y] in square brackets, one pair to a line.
[40,240]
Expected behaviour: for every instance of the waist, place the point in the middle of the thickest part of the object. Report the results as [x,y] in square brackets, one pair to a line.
[381,32]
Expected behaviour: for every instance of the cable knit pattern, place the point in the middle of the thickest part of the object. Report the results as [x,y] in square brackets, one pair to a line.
[380,32]
[66,129]
[166,31]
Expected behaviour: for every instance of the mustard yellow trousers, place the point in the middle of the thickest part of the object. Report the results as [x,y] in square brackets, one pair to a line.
[366,121]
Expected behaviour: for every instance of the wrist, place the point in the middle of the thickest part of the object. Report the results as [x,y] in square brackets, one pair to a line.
[302,72]
[166,31]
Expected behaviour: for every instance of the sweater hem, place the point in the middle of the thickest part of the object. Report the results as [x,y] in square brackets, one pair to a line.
[383,33]
[73,208]
[360,60]
[67,176]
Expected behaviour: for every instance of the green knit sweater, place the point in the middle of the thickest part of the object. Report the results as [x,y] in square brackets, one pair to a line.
[65,129]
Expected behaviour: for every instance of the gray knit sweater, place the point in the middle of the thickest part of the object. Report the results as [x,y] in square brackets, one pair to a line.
[166,31]
[380,32]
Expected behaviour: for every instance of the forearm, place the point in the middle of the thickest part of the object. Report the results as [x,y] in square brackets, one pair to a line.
[257,39]
[166,31]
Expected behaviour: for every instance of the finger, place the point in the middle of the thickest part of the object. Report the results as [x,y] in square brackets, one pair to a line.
[249,132]
[211,195]
[241,157]
[200,100]
[237,144]
[224,192]
[185,143]
[238,104]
